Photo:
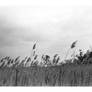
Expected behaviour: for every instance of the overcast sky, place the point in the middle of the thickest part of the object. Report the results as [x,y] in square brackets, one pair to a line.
[53,27]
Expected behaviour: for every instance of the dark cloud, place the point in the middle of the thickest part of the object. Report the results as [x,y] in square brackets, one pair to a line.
[12,34]
[6,31]
[32,37]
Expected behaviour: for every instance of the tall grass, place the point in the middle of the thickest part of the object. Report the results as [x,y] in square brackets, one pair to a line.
[67,75]
[29,72]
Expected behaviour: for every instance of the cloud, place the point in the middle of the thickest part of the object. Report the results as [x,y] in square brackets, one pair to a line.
[12,35]
[53,30]
[5,33]
[29,35]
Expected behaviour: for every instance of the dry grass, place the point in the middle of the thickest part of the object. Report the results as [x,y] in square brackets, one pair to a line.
[65,75]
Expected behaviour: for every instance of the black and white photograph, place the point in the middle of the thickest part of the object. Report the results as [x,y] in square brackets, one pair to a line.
[46,44]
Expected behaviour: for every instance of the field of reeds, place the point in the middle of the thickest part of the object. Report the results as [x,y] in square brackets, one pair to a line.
[63,75]
[48,72]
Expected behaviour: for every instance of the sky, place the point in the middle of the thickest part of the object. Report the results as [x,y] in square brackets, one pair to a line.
[54,25]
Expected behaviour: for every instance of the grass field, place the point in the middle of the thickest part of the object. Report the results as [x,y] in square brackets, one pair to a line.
[63,75]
